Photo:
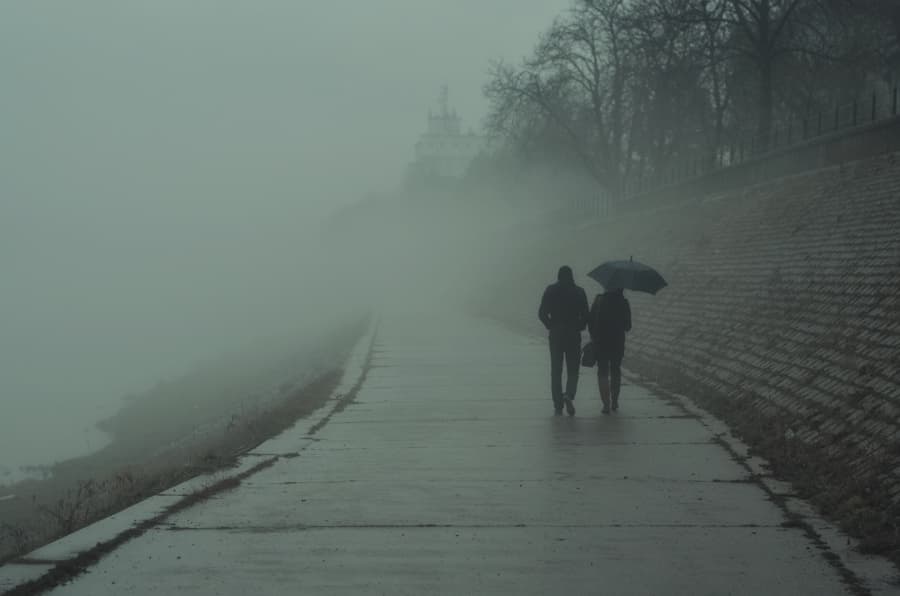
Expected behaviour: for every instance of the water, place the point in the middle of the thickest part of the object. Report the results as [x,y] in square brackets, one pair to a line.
[41,426]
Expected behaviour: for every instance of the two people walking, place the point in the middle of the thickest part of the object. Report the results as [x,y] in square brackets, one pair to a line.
[564,312]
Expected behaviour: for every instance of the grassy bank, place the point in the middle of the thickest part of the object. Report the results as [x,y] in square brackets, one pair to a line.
[193,425]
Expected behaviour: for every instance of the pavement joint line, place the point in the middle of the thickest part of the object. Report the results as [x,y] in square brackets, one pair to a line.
[444,526]
[362,403]
[491,419]
[419,446]
[851,580]
[507,395]
[411,445]
[521,481]
[68,569]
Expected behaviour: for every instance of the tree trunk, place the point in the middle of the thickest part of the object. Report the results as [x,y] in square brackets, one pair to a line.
[895,19]
[766,59]
[766,101]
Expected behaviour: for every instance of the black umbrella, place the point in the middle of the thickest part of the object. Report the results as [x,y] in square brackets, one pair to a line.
[628,275]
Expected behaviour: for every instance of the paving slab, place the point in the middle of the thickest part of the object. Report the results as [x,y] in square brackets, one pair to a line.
[683,462]
[465,560]
[513,430]
[508,503]
[449,474]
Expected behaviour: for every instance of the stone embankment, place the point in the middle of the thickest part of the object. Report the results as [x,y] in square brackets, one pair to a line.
[782,317]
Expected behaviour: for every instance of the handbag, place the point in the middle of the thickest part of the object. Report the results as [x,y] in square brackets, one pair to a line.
[588,356]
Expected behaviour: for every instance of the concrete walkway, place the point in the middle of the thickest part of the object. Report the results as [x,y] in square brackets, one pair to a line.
[448,473]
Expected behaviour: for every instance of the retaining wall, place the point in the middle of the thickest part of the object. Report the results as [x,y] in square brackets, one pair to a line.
[782,316]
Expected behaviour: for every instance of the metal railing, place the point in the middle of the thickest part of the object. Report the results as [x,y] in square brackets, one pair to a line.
[872,108]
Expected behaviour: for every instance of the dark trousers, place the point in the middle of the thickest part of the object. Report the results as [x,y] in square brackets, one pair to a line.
[609,376]
[564,347]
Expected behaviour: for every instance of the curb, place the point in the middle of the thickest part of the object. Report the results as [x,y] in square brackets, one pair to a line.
[863,574]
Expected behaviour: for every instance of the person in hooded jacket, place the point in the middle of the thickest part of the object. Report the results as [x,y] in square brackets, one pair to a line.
[608,322]
[564,311]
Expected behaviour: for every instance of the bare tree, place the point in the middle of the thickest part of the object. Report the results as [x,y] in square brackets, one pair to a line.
[651,85]
[529,106]
[678,92]
[883,16]
[576,79]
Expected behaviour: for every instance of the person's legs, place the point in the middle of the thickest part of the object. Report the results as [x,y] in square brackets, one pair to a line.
[603,380]
[573,363]
[615,380]
[556,365]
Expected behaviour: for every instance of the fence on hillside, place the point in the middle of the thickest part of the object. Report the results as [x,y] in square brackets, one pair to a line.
[860,128]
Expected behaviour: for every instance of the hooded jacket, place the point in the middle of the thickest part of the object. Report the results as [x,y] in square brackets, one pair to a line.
[564,306]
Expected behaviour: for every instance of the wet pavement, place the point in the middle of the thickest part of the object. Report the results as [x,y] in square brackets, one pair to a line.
[448,473]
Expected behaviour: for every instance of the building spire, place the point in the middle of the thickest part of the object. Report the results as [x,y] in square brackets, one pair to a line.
[445,101]
[443,152]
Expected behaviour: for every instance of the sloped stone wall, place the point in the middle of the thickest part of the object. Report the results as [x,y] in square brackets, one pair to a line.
[782,316]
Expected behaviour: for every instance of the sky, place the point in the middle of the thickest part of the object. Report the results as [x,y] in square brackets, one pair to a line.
[164,166]
[269,96]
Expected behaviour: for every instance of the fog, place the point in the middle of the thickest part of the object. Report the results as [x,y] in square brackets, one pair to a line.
[167,168]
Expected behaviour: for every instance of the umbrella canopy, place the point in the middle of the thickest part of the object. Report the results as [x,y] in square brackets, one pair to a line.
[628,275]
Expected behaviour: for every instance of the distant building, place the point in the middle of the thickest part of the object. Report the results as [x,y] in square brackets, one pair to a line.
[443,153]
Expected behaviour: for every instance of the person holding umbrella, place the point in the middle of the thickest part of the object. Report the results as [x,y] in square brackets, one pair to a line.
[610,320]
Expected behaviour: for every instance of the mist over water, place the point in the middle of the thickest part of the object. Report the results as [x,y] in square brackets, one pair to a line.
[167,172]
[91,314]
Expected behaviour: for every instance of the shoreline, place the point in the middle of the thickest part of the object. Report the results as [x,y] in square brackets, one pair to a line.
[88,488]
[163,439]
[14,475]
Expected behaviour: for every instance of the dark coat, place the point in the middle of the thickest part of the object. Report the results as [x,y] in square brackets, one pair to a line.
[608,322]
[564,308]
